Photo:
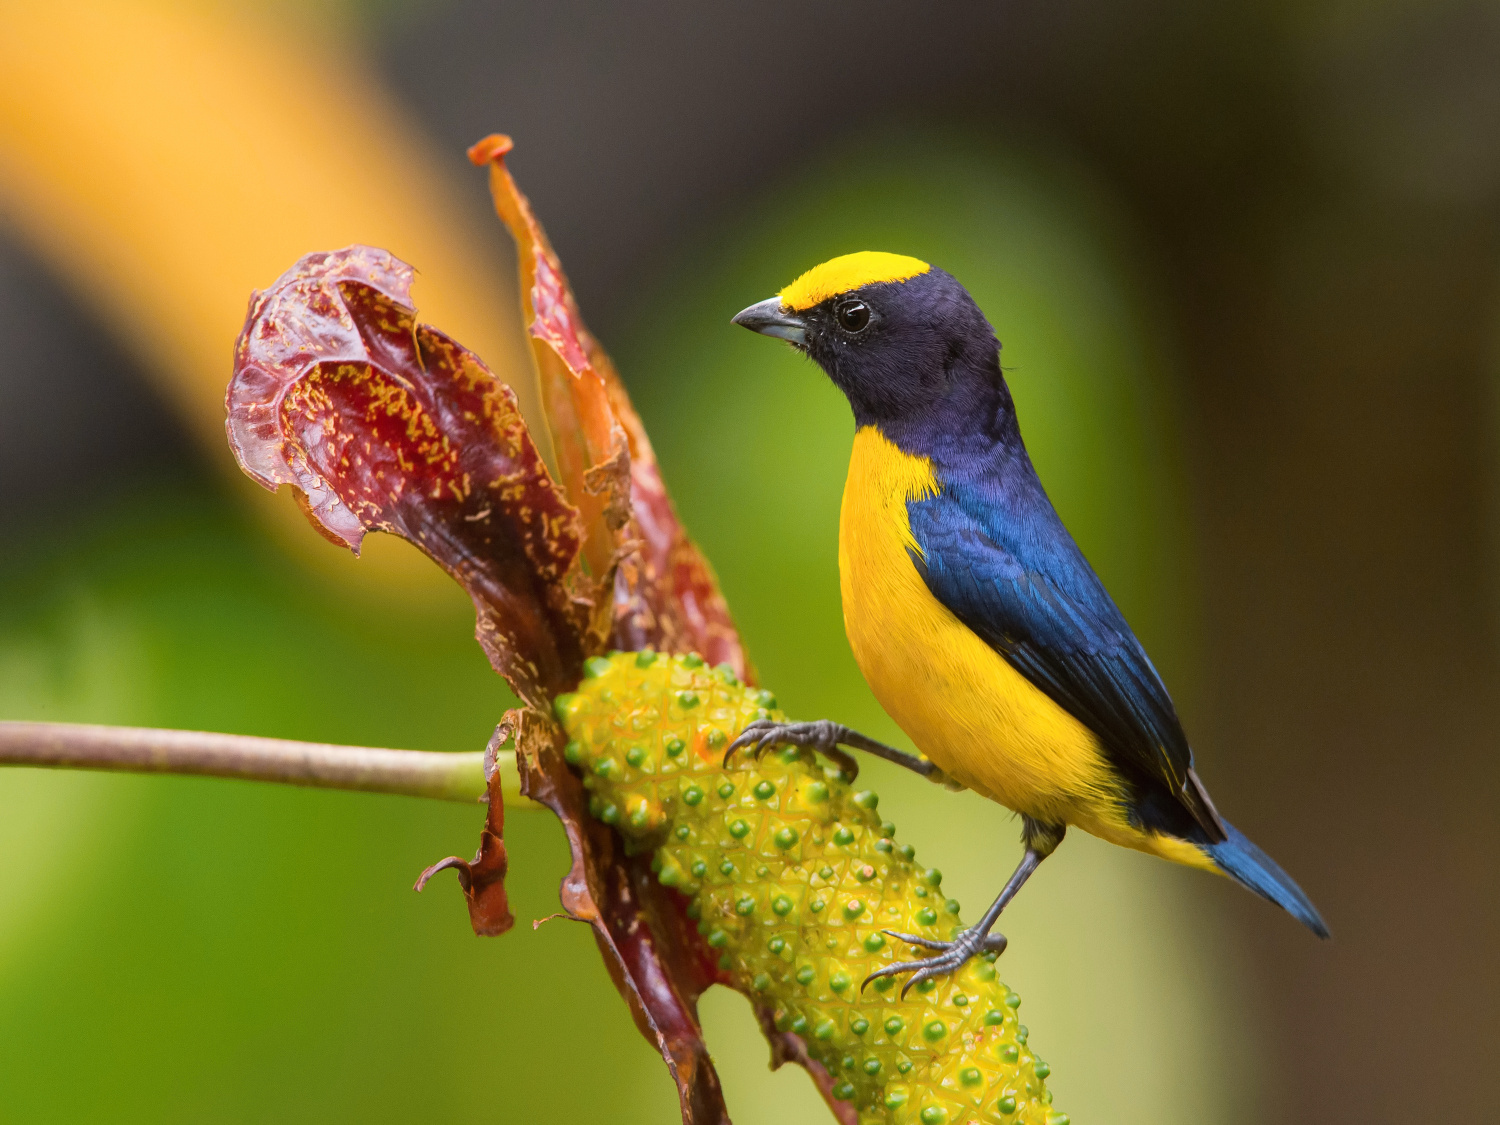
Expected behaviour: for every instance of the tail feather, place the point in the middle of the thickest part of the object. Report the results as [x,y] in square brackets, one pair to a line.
[1247,865]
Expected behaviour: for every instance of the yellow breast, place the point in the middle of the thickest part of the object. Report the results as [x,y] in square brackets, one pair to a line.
[966,709]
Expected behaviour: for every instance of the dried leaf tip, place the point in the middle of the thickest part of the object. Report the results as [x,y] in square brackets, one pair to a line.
[665,593]
[494,147]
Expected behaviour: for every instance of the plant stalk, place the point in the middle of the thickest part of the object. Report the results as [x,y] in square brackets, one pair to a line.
[410,773]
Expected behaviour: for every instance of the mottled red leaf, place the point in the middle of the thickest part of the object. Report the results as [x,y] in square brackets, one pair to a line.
[381,423]
[665,594]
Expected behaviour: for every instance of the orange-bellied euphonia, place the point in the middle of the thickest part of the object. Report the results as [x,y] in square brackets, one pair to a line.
[976,620]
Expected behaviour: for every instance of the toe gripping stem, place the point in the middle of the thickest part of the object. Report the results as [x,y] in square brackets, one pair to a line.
[826,736]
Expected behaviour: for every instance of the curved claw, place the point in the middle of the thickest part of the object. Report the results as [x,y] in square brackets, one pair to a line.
[918,939]
[919,970]
[888,971]
[748,735]
[767,734]
[755,732]
[927,972]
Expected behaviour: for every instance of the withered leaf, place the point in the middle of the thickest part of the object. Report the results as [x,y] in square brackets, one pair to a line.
[665,594]
[483,877]
[588,440]
[381,423]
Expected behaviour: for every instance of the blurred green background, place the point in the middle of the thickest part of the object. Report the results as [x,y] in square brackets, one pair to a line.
[1242,264]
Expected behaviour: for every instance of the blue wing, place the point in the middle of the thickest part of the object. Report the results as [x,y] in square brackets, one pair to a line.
[1010,571]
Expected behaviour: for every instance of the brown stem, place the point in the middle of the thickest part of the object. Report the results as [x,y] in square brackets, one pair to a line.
[413,773]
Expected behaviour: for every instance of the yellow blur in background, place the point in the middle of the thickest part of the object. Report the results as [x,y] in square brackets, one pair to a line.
[166,158]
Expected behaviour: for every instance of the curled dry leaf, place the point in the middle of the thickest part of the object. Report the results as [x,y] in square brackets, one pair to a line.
[483,877]
[381,423]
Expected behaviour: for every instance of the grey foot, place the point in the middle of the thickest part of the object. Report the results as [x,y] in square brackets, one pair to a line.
[952,956]
[823,736]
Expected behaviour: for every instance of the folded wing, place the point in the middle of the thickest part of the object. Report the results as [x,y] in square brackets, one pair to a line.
[1021,584]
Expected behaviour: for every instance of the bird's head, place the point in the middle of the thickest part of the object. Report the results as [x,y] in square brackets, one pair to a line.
[902,339]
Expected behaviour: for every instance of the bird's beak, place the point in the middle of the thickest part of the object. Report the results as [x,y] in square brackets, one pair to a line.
[770,318]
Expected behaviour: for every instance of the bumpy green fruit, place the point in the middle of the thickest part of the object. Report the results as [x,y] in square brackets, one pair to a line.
[792,878]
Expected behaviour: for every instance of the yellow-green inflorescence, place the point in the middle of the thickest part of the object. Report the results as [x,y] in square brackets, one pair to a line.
[792,876]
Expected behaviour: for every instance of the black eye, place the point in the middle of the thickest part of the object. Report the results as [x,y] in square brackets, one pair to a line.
[853,316]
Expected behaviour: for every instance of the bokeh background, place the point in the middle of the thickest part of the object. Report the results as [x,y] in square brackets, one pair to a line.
[1245,263]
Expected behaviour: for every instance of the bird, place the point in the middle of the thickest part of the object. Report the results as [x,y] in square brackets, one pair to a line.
[974,617]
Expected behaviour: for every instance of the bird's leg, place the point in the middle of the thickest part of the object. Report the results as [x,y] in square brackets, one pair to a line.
[826,737]
[1040,840]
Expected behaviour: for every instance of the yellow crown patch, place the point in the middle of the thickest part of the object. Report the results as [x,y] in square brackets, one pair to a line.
[851,271]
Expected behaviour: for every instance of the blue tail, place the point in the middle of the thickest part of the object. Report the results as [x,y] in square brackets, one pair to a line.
[1253,869]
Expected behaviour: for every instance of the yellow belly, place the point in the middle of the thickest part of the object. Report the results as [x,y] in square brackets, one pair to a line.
[966,709]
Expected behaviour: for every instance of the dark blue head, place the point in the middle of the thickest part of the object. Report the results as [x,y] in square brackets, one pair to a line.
[903,340]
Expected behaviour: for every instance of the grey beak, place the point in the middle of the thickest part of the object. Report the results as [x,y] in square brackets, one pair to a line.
[769,318]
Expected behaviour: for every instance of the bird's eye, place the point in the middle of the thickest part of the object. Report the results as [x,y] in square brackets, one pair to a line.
[853,316]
